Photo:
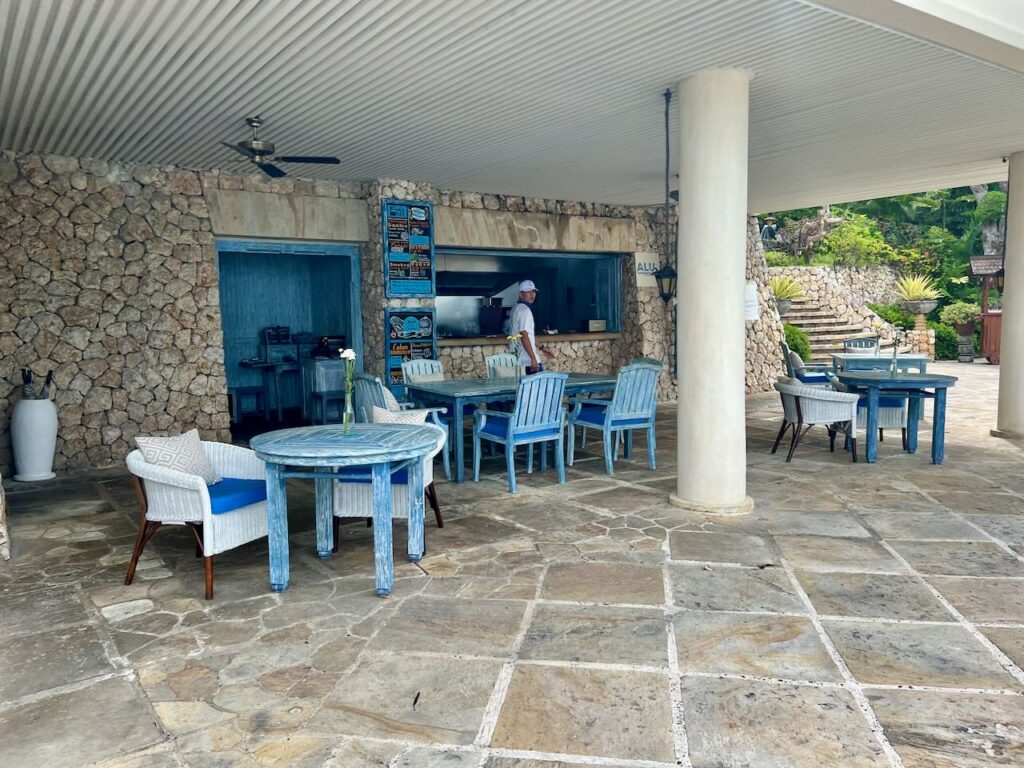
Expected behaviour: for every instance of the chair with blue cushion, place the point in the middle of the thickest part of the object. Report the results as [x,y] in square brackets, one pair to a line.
[502,366]
[633,406]
[221,516]
[538,417]
[369,391]
[807,373]
[893,411]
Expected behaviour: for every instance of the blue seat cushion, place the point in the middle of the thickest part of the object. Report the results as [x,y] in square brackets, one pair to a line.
[813,378]
[362,475]
[594,416]
[231,493]
[498,427]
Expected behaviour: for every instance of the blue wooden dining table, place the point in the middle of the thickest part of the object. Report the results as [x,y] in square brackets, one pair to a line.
[848,361]
[457,393]
[914,386]
[319,453]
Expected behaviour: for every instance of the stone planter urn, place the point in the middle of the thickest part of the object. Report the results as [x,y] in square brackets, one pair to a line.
[783,306]
[920,309]
[965,342]
[34,438]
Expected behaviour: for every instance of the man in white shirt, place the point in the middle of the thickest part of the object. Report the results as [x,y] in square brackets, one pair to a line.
[521,323]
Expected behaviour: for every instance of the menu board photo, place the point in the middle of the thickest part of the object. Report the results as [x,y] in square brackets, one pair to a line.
[408,248]
[410,336]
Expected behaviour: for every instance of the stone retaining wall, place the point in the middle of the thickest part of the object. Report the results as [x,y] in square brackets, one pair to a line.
[841,288]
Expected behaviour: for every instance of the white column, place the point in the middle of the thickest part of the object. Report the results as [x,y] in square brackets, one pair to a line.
[1010,422]
[711,452]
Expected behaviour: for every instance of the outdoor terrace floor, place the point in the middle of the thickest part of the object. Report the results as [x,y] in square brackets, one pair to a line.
[862,615]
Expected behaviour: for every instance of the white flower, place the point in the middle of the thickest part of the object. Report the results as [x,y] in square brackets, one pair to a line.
[347,354]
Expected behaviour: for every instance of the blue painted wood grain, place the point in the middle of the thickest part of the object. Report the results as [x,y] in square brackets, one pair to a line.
[383,557]
[277,525]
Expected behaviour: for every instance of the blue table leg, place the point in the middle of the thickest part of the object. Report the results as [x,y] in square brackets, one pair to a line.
[324,516]
[416,510]
[277,527]
[913,420]
[383,558]
[939,425]
[457,426]
[871,443]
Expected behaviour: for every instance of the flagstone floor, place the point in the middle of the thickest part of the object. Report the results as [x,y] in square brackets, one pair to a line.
[862,615]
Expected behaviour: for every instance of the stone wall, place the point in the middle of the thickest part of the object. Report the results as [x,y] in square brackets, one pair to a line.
[588,356]
[839,288]
[111,274]
[764,353]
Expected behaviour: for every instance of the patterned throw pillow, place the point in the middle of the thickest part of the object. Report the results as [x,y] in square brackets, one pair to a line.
[423,378]
[390,401]
[505,372]
[380,416]
[183,453]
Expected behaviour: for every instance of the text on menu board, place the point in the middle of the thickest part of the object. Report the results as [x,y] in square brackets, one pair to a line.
[410,337]
[408,248]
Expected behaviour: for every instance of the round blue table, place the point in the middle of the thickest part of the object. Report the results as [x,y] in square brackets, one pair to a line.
[318,452]
[915,386]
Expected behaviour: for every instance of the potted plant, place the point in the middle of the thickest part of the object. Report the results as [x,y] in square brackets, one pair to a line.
[962,315]
[786,290]
[917,294]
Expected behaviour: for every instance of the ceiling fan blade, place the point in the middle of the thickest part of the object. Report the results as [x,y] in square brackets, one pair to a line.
[239,149]
[307,159]
[271,170]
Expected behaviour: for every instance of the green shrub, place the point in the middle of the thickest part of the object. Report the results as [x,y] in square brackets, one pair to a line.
[945,341]
[894,314]
[991,206]
[778,259]
[798,341]
[856,241]
[960,313]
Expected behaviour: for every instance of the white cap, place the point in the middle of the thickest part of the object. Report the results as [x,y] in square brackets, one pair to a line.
[527,285]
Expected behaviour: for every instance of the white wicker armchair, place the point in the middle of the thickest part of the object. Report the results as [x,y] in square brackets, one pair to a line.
[354,498]
[170,497]
[804,406]
[893,412]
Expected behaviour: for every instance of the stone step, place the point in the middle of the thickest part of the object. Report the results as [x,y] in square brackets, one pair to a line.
[829,325]
[837,338]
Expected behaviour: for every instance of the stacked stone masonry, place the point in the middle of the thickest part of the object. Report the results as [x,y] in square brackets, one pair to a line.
[110,279]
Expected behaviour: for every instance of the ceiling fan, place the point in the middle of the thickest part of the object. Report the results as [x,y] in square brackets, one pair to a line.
[260,152]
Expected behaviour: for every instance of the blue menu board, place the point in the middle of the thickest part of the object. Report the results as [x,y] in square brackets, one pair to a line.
[408,239]
[411,335]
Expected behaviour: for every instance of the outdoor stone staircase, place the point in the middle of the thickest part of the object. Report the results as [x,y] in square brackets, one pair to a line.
[825,330]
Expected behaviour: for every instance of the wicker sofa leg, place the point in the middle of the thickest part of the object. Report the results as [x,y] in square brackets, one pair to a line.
[431,495]
[208,563]
[796,439]
[147,529]
[778,438]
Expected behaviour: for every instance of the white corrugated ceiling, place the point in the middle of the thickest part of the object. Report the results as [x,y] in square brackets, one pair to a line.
[541,98]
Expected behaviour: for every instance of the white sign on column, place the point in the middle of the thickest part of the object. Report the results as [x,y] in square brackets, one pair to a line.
[646,266]
[751,307]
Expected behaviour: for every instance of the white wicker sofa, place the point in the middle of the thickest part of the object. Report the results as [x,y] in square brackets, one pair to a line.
[804,406]
[235,515]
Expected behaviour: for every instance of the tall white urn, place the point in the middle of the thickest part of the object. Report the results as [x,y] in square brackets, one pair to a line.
[34,435]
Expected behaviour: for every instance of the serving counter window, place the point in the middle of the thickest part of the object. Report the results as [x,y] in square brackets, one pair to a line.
[577,292]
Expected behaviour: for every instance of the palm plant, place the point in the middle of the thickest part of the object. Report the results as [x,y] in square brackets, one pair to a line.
[785,289]
[916,288]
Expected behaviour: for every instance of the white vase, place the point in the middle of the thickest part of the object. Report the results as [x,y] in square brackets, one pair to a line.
[34,435]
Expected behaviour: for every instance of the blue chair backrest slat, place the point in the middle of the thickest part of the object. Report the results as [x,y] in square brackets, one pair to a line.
[422,368]
[369,392]
[636,391]
[503,360]
[539,401]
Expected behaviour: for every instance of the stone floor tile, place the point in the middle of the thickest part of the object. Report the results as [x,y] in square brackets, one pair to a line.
[596,634]
[746,723]
[1007,528]
[983,599]
[1009,640]
[721,548]
[938,730]
[917,654]
[40,609]
[733,589]
[515,762]
[814,524]
[623,499]
[980,503]
[449,625]
[824,553]
[624,715]
[604,583]
[956,558]
[900,524]
[413,698]
[44,660]
[56,731]
[360,753]
[872,596]
[742,644]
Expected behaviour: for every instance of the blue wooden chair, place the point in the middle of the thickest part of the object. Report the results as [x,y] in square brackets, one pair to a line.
[633,406]
[369,391]
[423,370]
[537,417]
[861,345]
[499,365]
